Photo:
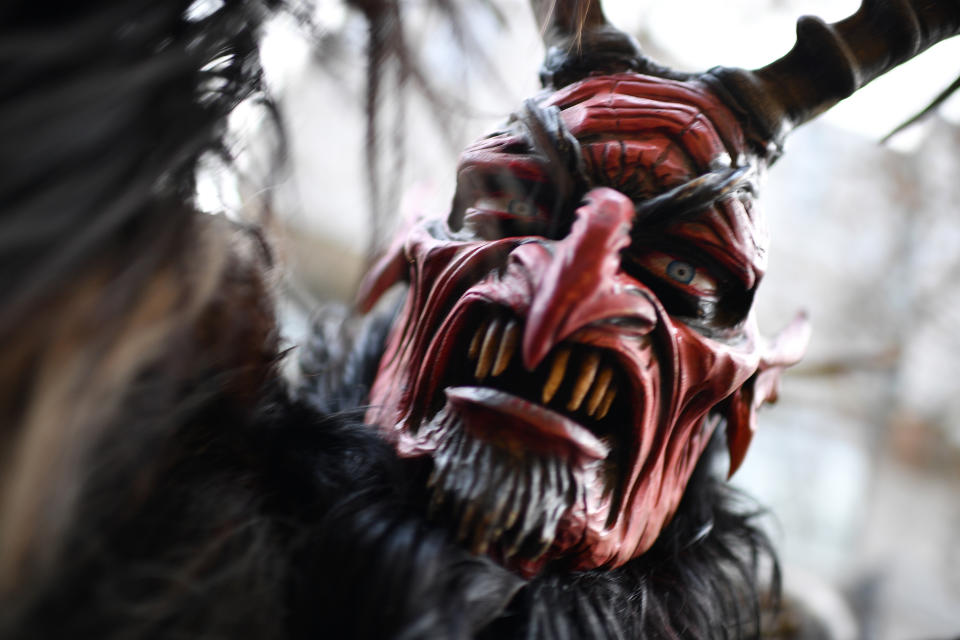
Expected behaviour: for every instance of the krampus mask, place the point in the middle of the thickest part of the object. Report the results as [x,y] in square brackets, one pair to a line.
[582,321]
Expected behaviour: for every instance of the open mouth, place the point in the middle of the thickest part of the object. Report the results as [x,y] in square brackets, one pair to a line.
[582,383]
[533,431]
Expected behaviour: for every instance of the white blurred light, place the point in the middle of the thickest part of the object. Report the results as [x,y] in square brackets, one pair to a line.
[203,9]
[284,54]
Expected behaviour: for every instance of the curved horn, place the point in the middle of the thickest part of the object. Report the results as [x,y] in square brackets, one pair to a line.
[830,62]
[579,41]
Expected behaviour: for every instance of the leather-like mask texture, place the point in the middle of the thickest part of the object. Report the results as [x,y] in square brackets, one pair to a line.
[582,322]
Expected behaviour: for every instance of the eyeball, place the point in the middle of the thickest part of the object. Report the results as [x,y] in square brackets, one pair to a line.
[682,272]
[687,276]
[519,207]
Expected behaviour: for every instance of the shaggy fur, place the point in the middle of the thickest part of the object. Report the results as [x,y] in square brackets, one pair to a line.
[159,478]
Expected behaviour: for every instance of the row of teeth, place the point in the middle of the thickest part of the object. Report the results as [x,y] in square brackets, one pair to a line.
[495,343]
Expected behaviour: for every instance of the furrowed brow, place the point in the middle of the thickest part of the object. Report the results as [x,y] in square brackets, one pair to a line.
[689,205]
[692,198]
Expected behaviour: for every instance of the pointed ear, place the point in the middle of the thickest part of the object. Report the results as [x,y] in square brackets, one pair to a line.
[393,266]
[389,269]
[740,409]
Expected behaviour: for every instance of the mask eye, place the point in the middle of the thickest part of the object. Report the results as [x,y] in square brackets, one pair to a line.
[506,205]
[519,207]
[493,216]
[683,274]
[698,291]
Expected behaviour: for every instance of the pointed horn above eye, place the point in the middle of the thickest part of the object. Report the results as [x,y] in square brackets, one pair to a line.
[829,62]
[579,41]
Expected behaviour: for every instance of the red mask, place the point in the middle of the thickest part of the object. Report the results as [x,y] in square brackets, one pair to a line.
[582,322]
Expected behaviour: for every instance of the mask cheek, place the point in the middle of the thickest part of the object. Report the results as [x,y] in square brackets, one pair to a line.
[740,409]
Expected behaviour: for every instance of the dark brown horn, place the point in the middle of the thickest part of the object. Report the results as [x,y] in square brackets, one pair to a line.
[830,62]
[579,41]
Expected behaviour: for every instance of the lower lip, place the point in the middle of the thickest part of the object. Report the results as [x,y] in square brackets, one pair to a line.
[514,422]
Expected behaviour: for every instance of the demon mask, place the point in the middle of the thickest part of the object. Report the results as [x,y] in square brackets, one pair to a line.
[582,321]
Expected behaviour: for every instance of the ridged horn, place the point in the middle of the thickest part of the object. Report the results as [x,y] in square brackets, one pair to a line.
[579,41]
[829,62]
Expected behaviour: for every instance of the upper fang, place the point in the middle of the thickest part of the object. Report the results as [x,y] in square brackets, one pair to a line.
[587,373]
[557,372]
[487,350]
[599,390]
[508,344]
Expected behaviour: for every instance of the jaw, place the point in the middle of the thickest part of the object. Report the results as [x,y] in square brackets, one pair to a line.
[512,502]
[529,465]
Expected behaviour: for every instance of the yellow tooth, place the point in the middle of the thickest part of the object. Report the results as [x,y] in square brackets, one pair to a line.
[599,389]
[474,348]
[557,372]
[508,344]
[587,373]
[487,350]
[607,401]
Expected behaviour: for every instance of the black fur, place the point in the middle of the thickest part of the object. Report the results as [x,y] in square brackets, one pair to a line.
[105,109]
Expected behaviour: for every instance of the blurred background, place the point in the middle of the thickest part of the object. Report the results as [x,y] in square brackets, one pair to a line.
[859,463]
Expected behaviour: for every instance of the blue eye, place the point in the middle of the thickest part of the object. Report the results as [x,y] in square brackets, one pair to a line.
[682,272]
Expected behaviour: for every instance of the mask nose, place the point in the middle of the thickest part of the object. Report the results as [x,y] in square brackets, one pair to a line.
[582,282]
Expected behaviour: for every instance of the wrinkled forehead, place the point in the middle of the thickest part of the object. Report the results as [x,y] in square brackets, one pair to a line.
[643,136]
[643,133]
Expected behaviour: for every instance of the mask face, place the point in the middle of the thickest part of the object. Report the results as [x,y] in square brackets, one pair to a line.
[582,322]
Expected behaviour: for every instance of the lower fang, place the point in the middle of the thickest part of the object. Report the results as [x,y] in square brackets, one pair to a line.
[487,353]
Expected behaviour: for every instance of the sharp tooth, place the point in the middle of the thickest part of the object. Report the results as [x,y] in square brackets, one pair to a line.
[607,401]
[507,346]
[474,348]
[557,372]
[487,350]
[587,373]
[599,390]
